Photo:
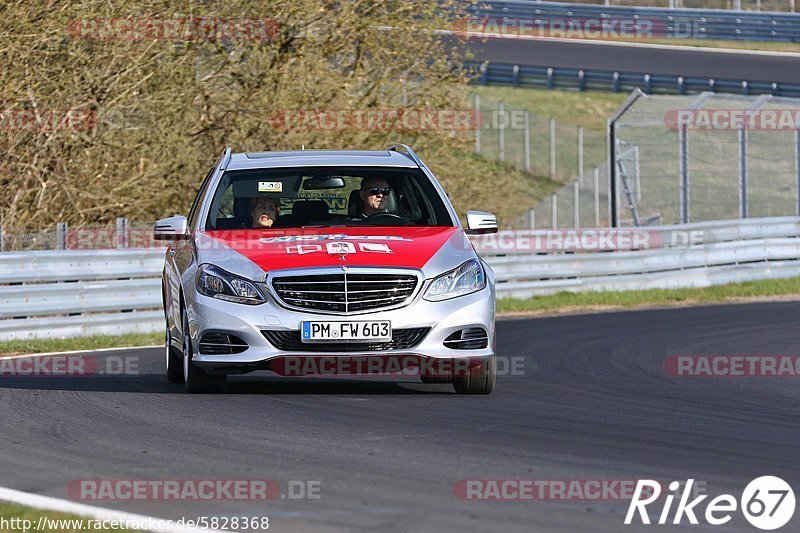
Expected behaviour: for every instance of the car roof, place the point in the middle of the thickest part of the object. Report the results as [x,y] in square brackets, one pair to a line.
[317,158]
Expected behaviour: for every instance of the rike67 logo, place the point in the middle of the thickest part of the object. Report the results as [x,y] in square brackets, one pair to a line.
[767,503]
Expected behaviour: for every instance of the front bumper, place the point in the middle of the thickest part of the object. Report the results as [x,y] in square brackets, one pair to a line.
[209,315]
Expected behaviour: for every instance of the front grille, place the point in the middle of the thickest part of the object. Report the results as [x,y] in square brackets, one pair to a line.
[221,344]
[468,339]
[289,341]
[346,292]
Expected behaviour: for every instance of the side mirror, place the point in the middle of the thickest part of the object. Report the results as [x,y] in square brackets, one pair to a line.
[479,223]
[170,229]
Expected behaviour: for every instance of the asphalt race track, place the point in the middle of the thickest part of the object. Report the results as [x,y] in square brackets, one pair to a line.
[593,403]
[617,57]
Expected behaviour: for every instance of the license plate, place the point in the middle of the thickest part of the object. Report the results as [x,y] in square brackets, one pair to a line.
[378,330]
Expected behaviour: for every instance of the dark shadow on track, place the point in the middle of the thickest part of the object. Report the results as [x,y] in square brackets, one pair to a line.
[156,383]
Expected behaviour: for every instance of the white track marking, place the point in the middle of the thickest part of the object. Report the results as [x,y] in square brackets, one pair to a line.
[82,351]
[88,511]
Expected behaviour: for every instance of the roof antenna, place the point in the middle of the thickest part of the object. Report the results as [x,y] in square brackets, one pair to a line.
[303,147]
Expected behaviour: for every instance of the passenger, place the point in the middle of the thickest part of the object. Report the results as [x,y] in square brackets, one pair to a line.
[264,212]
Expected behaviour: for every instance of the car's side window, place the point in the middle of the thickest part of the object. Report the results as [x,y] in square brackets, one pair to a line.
[195,210]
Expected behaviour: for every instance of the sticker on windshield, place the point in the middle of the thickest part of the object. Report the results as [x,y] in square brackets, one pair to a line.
[270,186]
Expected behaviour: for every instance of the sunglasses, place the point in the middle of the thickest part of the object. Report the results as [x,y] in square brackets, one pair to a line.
[379,190]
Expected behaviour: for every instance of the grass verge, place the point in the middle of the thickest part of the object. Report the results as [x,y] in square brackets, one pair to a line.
[79,343]
[19,517]
[565,302]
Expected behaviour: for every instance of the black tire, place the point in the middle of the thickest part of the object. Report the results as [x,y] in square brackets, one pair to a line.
[196,380]
[479,379]
[173,361]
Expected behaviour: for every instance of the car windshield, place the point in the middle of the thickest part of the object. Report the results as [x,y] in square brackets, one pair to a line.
[325,196]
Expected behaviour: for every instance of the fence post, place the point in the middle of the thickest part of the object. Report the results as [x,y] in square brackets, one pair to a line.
[596,197]
[580,154]
[122,232]
[554,211]
[576,198]
[743,172]
[61,235]
[683,141]
[553,164]
[527,141]
[532,218]
[478,124]
[501,109]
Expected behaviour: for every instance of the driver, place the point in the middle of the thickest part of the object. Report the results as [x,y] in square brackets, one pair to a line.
[374,192]
[264,211]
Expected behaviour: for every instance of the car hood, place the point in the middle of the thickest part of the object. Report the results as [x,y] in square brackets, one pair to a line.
[374,246]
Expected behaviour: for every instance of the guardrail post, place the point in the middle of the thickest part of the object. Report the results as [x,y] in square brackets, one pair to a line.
[527,141]
[122,232]
[515,76]
[478,124]
[596,197]
[553,163]
[61,235]
[745,88]
[551,78]
[532,218]
[681,85]
[554,211]
[501,109]
[648,84]
[581,80]
[712,85]
[683,141]
[485,74]
[743,172]
[576,198]
[616,86]
[580,153]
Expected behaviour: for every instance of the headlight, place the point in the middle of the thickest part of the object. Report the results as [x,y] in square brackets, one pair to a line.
[217,283]
[465,279]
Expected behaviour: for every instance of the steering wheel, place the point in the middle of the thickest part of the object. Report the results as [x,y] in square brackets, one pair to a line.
[383,218]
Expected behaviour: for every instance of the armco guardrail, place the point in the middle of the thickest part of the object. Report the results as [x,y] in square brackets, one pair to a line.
[76,293]
[679,23]
[490,73]
[703,254]
[50,294]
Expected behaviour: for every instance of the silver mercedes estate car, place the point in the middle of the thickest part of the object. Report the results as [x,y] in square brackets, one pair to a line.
[310,263]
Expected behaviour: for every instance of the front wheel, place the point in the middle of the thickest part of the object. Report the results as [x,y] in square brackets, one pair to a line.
[174,363]
[478,379]
[197,381]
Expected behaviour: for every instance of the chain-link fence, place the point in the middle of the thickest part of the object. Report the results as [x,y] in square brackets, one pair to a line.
[542,146]
[539,145]
[683,159]
[124,234]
